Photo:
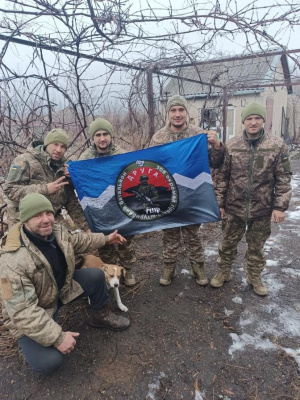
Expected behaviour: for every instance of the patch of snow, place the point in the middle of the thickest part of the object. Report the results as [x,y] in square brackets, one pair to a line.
[228,312]
[199,395]
[237,300]
[154,387]
[294,215]
[293,353]
[291,272]
[210,252]
[271,263]
[239,342]
[185,271]
[290,320]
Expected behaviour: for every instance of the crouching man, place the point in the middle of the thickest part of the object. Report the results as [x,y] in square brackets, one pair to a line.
[38,276]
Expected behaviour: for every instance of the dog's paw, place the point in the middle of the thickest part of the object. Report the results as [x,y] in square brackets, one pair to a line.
[123,308]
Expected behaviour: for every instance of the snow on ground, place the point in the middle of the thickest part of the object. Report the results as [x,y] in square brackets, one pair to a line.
[154,386]
[277,314]
[285,319]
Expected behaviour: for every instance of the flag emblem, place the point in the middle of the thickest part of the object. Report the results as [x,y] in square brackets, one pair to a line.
[145,190]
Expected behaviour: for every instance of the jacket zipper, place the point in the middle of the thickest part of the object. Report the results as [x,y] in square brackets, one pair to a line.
[250,176]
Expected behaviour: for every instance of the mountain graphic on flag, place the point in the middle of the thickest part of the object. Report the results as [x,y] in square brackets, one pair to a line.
[157,188]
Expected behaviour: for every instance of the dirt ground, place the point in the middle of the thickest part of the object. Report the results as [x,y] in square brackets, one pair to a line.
[185,341]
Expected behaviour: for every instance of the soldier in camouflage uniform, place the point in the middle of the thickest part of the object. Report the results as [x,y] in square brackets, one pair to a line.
[179,128]
[41,170]
[146,192]
[253,188]
[38,276]
[101,133]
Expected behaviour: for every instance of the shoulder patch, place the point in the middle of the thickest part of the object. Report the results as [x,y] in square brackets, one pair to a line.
[6,289]
[13,172]
[285,161]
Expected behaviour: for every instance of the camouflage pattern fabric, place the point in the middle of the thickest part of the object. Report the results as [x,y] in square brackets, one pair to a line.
[121,255]
[28,287]
[91,152]
[30,173]
[255,178]
[257,232]
[125,254]
[191,239]
[190,234]
[166,135]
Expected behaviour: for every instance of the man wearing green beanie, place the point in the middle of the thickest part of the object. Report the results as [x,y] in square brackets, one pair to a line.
[38,276]
[254,189]
[101,134]
[177,127]
[41,169]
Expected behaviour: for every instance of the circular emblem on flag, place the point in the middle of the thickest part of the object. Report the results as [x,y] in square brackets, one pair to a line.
[145,191]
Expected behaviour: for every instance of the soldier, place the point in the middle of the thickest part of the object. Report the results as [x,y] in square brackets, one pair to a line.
[41,170]
[146,192]
[253,189]
[179,128]
[38,276]
[101,133]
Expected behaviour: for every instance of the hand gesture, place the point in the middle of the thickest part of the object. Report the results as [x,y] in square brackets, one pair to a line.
[222,213]
[213,139]
[115,237]
[55,186]
[66,171]
[68,344]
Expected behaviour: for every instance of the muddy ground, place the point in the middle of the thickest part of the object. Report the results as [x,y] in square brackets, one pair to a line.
[228,342]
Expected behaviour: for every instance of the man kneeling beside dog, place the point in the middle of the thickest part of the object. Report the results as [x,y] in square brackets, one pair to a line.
[38,276]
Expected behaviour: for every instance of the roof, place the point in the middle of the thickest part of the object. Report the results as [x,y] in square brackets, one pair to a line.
[238,76]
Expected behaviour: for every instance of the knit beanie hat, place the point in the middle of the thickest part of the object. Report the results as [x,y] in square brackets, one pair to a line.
[33,204]
[57,135]
[176,100]
[254,108]
[100,124]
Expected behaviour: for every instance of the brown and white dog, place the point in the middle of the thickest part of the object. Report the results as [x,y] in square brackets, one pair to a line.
[112,274]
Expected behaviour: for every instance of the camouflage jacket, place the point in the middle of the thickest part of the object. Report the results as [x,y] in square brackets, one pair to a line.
[30,173]
[166,135]
[255,177]
[91,152]
[28,287]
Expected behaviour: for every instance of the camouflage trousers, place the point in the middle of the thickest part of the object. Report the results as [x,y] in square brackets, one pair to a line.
[191,238]
[257,232]
[123,255]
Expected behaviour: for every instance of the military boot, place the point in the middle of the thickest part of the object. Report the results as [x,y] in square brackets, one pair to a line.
[129,278]
[198,272]
[168,274]
[258,287]
[220,277]
[105,318]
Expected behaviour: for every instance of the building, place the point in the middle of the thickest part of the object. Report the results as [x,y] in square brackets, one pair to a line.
[226,86]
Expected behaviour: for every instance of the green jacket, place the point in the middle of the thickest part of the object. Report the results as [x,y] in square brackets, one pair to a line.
[30,172]
[28,287]
[91,152]
[255,178]
[166,135]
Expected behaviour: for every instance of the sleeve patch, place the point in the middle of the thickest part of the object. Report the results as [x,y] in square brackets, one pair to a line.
[6,289]
[13,173]
[285,161]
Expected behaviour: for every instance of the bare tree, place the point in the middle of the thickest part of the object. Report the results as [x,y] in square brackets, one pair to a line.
[63,62]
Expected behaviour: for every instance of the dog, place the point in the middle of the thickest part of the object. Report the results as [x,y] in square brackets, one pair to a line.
[112,275]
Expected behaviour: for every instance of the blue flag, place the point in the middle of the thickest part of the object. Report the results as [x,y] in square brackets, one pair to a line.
[147,190]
